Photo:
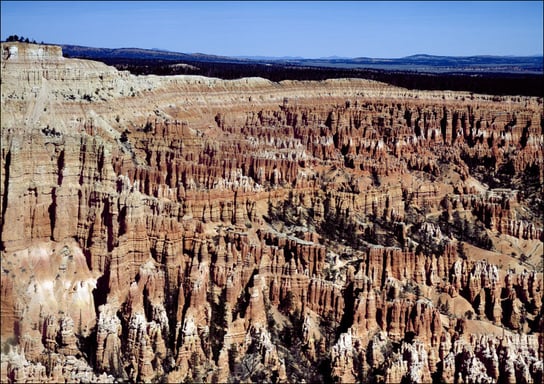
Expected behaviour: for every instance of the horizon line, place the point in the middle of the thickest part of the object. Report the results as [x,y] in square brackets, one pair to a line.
[283,57]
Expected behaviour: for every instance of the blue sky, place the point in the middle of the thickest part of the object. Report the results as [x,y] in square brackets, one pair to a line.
[308,29]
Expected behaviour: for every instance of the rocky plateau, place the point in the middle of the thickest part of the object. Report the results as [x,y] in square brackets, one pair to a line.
[192,229]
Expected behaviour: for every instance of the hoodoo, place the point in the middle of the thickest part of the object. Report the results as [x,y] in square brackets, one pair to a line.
[188,228]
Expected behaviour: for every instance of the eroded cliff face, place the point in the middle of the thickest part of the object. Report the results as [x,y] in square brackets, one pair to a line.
[186,228]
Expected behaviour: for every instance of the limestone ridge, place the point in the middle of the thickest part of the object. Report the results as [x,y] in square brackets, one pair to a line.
[190,228]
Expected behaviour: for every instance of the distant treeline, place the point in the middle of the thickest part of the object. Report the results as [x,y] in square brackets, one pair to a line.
[482,82]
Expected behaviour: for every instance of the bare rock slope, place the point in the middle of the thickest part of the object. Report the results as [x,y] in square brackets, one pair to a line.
[189,228]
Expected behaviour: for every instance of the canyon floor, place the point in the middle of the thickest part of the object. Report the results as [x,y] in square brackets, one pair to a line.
[192,229]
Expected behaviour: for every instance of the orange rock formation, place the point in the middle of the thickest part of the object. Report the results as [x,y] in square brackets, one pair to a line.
[184,227]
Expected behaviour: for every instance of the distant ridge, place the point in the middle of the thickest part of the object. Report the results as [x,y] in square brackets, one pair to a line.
[417,62]
[137,53]
[273,58]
